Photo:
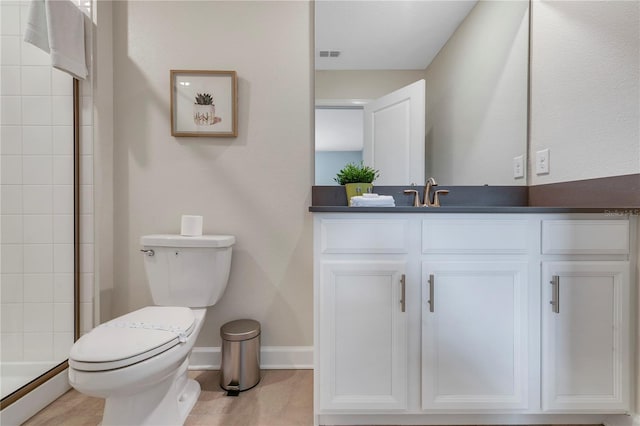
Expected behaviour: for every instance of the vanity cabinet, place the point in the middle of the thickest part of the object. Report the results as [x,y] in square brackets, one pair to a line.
[362,315]
[474,335]
[441,318]
[585,316]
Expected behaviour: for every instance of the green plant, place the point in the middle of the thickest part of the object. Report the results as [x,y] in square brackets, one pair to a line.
[356,173]
[204,99]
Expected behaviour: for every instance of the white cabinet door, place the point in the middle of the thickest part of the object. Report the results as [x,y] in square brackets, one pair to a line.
[474,335]
[585,336]
[363,336]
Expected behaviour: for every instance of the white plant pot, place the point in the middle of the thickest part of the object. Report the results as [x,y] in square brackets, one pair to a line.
[204,115]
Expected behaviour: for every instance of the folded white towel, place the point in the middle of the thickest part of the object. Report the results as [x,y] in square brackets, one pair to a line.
[57,27]
[380,201]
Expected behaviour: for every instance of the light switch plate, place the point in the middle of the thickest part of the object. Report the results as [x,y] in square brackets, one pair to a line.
[542,162]
[518,166]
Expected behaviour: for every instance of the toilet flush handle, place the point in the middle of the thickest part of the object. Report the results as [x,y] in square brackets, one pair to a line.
[148,252]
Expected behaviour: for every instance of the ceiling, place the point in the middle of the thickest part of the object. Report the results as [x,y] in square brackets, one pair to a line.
[384,34]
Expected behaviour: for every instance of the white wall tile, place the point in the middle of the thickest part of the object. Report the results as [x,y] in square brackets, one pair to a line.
[11,196]
[86,199]
[63,199]
[10,80]
[37,317]
[24,17]
[63,317]
[11,111]
[62,343]
[11,288]
[31,55]
[62,140]
[86,258]
[63,258]
[63,232]
[12,226]
[38,346]
[11,347]
[86,229]
[61,82]
[63,170]
[62,110]
[86,317]
[86,169]
[10,50]
[37,170]
[36,140]
[37,199]
[10,20]
[36,80]
[86,287]
[86,140]
[38,258]
[38,229]
[11,140]
[38,288]
[11,320]
[86,111]
[11,173]
[36,110]
[63,287]
[11,259]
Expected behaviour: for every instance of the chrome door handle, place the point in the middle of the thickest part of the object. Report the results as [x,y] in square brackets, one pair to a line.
[402,296]
[555,294]
[431,296]
[148,252]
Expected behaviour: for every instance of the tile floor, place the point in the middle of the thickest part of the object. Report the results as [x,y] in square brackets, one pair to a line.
[282,398]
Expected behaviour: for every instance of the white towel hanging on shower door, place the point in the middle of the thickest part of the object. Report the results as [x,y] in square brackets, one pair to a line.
[57,27]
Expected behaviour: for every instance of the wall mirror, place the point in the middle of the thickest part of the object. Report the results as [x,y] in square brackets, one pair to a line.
[473,57]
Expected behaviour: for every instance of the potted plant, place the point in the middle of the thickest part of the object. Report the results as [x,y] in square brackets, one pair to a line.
[357,179]
[204,111]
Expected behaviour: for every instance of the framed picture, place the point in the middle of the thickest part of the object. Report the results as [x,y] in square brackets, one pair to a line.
[204,103]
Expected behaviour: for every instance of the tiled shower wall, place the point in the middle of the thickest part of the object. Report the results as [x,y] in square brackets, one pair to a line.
[36,179]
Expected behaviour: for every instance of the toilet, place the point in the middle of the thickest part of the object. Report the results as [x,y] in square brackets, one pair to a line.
[138,362]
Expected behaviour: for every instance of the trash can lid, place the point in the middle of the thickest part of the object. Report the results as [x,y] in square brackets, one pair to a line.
[238,330]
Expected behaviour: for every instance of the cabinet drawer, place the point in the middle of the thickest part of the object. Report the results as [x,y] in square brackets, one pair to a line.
[585,237]
[474,236]
[364,236]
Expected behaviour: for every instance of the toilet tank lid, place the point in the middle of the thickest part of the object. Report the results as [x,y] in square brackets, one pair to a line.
[170,240]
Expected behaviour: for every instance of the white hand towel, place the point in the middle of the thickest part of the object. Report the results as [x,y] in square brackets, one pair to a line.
[380,201]
[57,27]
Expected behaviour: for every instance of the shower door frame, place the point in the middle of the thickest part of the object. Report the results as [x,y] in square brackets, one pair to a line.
[24,390]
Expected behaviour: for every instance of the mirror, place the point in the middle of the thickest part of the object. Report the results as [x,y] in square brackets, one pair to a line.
[473,56]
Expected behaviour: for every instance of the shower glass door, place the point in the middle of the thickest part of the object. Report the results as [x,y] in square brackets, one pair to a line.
[38,239]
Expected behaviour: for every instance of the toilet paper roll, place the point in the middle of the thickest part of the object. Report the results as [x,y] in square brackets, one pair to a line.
[191,226]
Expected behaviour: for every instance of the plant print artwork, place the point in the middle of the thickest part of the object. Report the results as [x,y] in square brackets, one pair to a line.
[204,110]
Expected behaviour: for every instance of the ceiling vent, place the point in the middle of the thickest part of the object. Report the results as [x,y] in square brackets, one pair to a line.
[329,53]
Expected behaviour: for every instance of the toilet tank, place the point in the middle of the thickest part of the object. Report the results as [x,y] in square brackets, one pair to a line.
[187,271]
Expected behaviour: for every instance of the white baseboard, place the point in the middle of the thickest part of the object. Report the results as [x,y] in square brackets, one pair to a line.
[620,420]
[271,358]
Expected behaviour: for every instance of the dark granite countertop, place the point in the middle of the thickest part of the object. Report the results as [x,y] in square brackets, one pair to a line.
[475,209]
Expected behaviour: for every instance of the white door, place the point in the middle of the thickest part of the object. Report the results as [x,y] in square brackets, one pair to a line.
[394,135]
[363,361]
[585,336]
[474,335]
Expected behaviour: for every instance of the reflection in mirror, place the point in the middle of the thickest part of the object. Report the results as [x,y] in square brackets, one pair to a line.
[473,56]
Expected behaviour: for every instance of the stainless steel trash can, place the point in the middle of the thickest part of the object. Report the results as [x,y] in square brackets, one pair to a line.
[240,369]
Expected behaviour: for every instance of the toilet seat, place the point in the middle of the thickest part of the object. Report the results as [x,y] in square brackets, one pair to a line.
[132,338]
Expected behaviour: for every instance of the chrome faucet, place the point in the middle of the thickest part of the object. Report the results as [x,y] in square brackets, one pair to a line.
[431,183]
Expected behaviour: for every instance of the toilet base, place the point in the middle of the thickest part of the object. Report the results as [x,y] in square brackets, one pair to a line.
[166,403]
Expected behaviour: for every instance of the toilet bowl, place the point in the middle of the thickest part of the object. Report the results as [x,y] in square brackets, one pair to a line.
[138,362]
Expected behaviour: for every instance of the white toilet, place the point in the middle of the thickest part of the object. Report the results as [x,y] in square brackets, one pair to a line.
[138,362]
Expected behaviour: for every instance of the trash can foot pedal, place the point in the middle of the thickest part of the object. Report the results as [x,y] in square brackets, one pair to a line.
[233,389]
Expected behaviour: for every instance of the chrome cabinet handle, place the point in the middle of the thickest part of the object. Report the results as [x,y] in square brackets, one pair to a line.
[148,252]
[555,294]
[431,297]
[402,295]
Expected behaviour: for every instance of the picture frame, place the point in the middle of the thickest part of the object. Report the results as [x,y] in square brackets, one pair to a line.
[204,103]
